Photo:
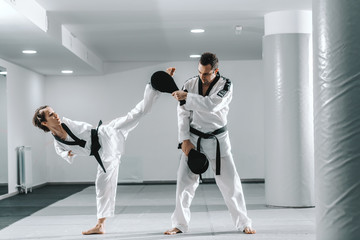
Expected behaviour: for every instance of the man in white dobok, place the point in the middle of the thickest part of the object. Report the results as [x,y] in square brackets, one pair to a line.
[202,123]
[105,142]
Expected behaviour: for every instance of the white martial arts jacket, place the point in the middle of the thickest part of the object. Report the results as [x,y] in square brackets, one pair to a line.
[206,114]
[112,136]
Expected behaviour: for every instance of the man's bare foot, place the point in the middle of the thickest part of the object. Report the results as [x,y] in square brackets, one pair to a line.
[172,231]
[249,230]
[98,229]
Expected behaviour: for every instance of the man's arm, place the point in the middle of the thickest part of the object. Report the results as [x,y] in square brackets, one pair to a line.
[184,129]
[184,115]
[212,103]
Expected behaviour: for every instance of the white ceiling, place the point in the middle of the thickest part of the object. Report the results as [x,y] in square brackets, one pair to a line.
[137,30]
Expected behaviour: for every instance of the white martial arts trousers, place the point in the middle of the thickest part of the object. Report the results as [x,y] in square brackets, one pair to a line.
[112,147]
[228,183]
[106,185]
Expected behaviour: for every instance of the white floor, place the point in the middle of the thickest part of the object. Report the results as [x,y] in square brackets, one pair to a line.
[143,212]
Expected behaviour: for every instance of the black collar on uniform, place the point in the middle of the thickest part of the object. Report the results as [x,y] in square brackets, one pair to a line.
[211,84]
[76,141]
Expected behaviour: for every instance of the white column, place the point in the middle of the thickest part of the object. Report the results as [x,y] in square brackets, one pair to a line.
[289,152]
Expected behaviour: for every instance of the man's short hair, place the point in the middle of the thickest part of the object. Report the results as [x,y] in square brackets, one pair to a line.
[209,58]
[39,117]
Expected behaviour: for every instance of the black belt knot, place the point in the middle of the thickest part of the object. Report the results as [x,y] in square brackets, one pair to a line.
[95,145]
[208,136]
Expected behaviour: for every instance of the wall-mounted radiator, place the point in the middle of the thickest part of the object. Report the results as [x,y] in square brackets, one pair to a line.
[24,163]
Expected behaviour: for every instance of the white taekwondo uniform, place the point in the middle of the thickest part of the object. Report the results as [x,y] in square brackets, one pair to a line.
[112,138]
[207,114]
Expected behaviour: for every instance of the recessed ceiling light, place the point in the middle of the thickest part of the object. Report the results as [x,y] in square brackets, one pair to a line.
[195,56]
[3,73]
[67,71]
[197,30]
[29,51]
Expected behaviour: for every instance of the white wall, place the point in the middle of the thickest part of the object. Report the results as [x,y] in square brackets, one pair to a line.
[246,117]
[151,153]
[24,93]
[3,132]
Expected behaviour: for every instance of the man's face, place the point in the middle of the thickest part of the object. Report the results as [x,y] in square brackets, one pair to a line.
[52,119]
[207,75]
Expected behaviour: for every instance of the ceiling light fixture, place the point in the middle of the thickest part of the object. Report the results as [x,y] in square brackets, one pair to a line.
[67,71]
[3,73]
[195,56]
[29,51]
[199,30]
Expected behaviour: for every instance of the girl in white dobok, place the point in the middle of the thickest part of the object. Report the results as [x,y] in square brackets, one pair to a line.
[104,142]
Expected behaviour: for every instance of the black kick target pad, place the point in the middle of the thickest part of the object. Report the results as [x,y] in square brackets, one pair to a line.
[163,82]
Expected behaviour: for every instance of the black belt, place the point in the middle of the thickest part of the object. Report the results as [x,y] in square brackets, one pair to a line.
[95,145]
[208,136]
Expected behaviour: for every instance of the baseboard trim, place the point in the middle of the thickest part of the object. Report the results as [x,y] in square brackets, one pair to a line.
[253,180]
[244,181]
[70,183]
[161,182]
[170,182]
[8,195]
[205,181]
